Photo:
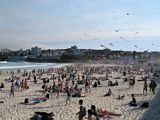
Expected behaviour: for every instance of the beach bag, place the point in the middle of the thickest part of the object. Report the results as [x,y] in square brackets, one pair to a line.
[145,105]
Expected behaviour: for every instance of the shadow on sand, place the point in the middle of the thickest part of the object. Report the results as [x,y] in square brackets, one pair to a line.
[153,112]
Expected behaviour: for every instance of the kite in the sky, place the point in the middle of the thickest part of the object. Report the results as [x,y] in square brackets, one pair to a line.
[127,14]
[121,37]
[104,46]
[116,30]
[110,44]
[136,46]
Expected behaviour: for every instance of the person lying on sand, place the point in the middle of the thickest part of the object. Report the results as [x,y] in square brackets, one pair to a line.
[34,101]
[102,113]
[107,113]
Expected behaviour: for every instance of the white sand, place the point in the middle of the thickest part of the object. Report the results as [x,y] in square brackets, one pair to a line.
[11,109]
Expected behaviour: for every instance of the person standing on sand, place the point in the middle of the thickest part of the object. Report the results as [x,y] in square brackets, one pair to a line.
[145,87]
[86,86]
[22,85]
[1,72]
[152,86]
[94,111]
[12,90]
[68,96]
[89,85]
[35,79]
[58,90]
[90,115]
[18,84]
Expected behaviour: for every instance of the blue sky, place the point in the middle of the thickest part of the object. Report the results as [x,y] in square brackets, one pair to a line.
[85,23]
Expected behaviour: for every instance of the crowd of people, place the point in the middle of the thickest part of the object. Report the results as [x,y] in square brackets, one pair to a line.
[78,81]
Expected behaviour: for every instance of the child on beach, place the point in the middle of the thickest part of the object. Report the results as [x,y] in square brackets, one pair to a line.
[90,115]
[94,111]
[82,112]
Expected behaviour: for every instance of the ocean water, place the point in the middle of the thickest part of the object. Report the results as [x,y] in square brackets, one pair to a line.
[7,66]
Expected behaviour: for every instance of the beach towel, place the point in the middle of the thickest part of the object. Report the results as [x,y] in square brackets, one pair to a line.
[104,114]
[34,101]
[38,100]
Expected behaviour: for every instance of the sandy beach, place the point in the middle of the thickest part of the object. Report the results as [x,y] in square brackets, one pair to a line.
[11,109]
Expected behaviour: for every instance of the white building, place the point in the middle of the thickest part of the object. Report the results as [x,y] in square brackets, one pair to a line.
[76,51]
[5,50]
[35,51]
[51,54]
